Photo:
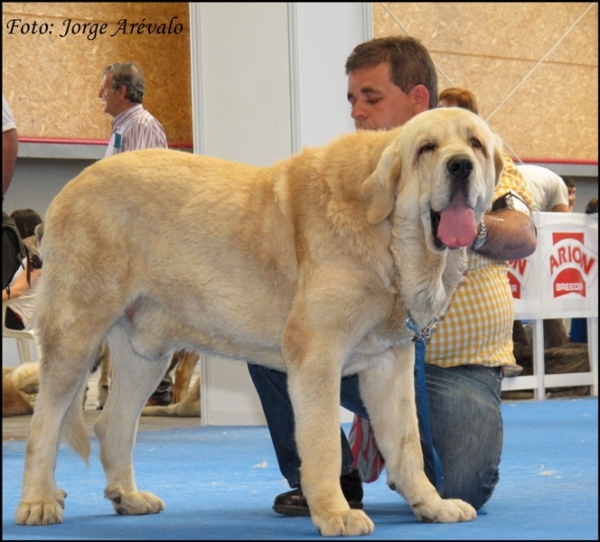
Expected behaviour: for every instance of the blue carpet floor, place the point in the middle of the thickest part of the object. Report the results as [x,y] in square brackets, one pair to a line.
[219,483]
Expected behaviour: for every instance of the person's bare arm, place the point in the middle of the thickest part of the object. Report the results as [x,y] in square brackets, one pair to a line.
[10,147]
[511,235]
[21,286]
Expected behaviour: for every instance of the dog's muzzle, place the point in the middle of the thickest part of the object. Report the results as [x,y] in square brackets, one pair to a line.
[459,168]
[455,226]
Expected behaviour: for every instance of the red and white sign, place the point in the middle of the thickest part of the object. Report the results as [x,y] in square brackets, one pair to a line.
[559,280]
[518,275]
[573,266]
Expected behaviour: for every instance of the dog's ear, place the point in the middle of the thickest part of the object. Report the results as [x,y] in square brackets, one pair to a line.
[379,190]
[498,158]
[39,233]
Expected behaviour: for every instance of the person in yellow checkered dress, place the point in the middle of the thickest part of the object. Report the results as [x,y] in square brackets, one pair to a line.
[390,80]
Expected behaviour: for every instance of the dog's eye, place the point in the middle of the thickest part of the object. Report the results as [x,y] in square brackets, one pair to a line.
[476,143]
[427,147]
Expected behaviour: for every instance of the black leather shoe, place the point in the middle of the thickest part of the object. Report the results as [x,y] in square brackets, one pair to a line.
[293,503]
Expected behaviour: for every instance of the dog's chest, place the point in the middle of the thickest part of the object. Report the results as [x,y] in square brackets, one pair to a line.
[392,331]
[376,346]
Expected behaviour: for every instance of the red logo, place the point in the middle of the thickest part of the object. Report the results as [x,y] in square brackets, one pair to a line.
[571,264]
[518,274]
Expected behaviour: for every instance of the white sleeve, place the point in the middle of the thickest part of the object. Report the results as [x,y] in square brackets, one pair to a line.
[8,121]
[560,193]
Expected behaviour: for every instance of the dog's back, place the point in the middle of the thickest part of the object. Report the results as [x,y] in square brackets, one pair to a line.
[123,231]
[122,219]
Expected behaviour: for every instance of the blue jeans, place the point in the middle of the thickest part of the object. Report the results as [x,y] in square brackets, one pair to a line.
[578,330]
[465,418]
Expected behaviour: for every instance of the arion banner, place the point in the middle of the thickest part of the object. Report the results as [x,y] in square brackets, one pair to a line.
[560,279]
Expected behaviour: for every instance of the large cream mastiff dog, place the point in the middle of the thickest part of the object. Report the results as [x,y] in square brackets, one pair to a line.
[308,266]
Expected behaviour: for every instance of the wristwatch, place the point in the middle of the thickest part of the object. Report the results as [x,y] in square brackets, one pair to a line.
[481,236]
[510,200]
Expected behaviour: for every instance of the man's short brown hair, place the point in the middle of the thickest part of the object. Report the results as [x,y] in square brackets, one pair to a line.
[410,63]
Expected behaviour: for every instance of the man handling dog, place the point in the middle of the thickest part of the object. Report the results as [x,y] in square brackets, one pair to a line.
[311,266]
[390,80]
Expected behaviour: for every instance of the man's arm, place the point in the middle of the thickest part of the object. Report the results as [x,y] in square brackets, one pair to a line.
[511,235]
[511,232]
[21,286]
[10,147]
[559,195]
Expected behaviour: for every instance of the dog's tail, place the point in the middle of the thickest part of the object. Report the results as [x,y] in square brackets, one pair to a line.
[74,430]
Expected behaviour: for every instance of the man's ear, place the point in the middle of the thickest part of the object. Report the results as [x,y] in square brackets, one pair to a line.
[379,190]
[420,98]
[121,92]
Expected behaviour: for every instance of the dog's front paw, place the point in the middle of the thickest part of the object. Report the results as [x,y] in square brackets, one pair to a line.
[346,523]
[42,512]
[444,511]
[134,503]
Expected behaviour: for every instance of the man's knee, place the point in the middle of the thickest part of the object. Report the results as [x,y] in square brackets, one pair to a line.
[475,488]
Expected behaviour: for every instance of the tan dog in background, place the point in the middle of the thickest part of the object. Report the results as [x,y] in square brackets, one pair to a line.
[20,385]
[307,266]
[186,401]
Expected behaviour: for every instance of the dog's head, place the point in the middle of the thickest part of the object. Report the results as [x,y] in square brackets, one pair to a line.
[443,166]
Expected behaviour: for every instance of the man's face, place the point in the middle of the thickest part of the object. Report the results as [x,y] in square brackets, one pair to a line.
[572,196]
[378,104]
[110,99]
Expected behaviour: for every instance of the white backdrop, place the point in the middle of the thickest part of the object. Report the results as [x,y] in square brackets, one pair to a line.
[267,79]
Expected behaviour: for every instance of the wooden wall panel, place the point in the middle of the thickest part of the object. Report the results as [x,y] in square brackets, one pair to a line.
[52,80]
[492,48]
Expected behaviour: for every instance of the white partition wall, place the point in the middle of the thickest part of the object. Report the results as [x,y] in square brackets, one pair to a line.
[323,35]
[267,79]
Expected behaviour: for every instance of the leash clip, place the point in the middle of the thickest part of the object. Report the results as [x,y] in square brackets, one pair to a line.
[420,335]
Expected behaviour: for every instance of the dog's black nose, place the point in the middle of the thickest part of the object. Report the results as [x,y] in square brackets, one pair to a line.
[459,168]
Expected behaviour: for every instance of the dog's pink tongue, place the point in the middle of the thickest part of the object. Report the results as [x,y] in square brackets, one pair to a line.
[457,226]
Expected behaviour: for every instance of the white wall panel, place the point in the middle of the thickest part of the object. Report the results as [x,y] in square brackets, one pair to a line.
[326,34]
[245,94]
[267,79]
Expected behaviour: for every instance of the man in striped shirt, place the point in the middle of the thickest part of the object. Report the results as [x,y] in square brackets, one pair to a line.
[390,80]
[133,128]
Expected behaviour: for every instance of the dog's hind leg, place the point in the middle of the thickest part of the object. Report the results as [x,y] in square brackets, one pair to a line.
[134,378]
[63,373]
